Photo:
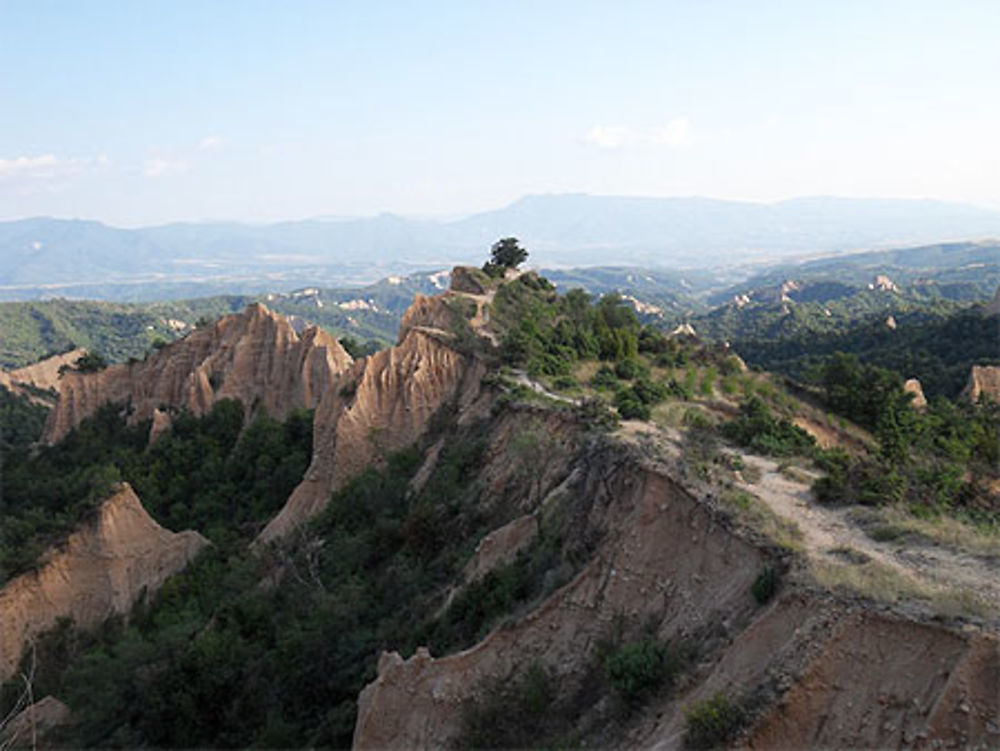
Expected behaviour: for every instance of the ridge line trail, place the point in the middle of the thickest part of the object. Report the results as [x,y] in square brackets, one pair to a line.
[828,533]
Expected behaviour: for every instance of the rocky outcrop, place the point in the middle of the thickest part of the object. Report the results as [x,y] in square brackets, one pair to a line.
[501,547]
[912,386]
[45,374]
[431,312]
[42,375]
[470,280]
[256,357]
[883,283]
[382,404]
[984,381]
[683,329]
[29,728]
[113,559]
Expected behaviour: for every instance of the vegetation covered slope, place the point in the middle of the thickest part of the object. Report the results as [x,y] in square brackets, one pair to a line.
[660,521]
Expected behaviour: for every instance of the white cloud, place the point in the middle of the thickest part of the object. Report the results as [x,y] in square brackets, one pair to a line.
[211,142]
[43,167]
[611,136]
[674,134]
[159,167]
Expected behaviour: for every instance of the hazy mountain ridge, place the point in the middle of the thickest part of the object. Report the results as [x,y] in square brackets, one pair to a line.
[46,257]
[829,294]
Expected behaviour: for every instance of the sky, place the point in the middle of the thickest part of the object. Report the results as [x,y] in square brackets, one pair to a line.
[136,113]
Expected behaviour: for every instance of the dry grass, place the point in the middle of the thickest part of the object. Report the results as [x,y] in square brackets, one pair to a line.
[947,531]
[754,513]
[882,583]
[896,523]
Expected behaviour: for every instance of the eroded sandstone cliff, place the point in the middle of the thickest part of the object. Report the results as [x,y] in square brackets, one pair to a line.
[381,404]
[256,357]
[984,382]
[42,375]
[117,556]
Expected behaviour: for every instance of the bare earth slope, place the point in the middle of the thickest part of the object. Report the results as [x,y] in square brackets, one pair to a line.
[256,357]
[104,567]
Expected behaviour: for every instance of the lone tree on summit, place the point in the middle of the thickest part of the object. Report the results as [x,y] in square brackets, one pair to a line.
[506,253]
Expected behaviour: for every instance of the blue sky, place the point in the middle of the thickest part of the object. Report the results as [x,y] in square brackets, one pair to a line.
[144,112]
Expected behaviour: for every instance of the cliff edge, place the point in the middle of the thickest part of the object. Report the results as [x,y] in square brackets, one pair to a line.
[104,567]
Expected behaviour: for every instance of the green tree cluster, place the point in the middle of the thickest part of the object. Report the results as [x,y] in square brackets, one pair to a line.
[506,253]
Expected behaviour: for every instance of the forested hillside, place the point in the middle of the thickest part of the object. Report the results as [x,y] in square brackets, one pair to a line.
[589,501]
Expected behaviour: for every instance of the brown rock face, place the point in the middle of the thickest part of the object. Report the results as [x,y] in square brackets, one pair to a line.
[103,568]
[255,357]
[984,381]
[501,547]
[470,280]
[43,375]
[427,312]
[30,726]
[382,404]
[882,682]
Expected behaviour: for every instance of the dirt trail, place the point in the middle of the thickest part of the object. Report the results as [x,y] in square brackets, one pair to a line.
[830,535]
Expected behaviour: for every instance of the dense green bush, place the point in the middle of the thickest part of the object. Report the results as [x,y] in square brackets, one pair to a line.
[21,424]
[547,333]
[638,669]
[938,459]
[713,722]
[605,379]
[630,406]
[765,585]
[203,474]
[759,430]
[216,660]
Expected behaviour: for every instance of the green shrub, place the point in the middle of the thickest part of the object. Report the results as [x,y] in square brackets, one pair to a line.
[708,381]
[630,406]
[713,722]
[630,368]
[565,383]
[638,669]
[760,431]
[765,585]
[605,379]
[649,392]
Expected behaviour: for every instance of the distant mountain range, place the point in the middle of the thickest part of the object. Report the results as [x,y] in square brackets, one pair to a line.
[44,257]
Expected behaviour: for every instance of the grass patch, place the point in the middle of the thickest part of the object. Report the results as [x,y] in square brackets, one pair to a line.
[873,580]
[754,513]
[713,722]
[896,523]
[639,669]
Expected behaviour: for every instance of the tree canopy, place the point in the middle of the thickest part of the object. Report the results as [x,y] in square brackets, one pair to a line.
[506,253]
